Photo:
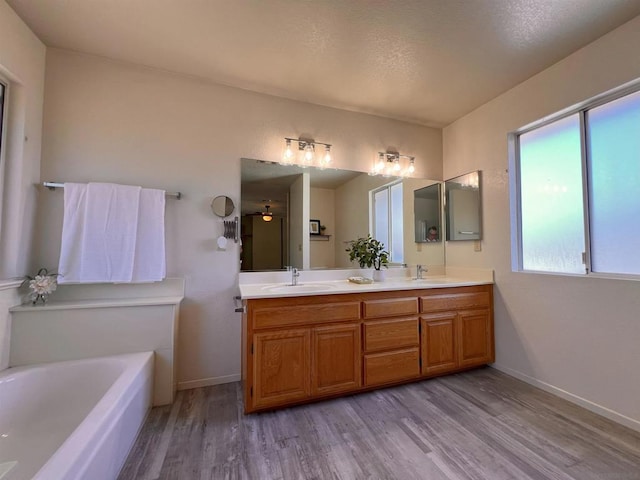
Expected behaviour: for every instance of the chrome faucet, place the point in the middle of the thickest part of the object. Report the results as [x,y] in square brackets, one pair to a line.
[294,276]
[419,271]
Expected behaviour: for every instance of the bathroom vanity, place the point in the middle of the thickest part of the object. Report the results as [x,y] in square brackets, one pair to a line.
[304,345]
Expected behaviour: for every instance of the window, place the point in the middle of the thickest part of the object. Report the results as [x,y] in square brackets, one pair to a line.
[577,197]
[387,220]
[3,115]
[3,89]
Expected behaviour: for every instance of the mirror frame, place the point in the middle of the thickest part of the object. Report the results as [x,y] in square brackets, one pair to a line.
[222,206]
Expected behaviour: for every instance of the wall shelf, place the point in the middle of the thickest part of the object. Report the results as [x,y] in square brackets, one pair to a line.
[320,238]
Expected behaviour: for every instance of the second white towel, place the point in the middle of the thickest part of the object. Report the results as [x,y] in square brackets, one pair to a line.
[149,263]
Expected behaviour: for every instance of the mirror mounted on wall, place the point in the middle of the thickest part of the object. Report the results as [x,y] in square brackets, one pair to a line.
[222,206]
[463,207]
[341,199]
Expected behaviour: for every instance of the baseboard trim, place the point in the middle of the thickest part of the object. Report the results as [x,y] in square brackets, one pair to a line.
[583,402]
[207,382]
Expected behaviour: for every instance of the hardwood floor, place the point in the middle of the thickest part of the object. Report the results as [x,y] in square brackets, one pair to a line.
[476,425]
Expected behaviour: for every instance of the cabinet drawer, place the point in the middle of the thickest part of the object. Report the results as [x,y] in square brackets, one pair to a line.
[380,368]
[454,301]
[391,307]
[390,334]
[284,315]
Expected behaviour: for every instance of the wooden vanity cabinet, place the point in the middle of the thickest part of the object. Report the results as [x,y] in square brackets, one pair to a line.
[456,329]
[301,348]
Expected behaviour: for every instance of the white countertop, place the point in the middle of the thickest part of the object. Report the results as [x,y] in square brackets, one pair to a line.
[455,278]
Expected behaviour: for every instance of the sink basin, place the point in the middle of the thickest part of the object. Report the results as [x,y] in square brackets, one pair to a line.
[425,280]
[431,280]
[300,288]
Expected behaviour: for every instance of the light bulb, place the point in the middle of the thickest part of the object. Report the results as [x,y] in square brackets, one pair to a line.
[388,169]
[288,153]
[379,166]
[308,153]
[327,155]
[412,167]
[396,165]
[267,216]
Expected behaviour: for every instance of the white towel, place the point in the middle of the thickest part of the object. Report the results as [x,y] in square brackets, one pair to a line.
[75,203]
[99,233]
[149,264]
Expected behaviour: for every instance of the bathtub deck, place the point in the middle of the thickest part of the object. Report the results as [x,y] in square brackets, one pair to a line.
[476,425]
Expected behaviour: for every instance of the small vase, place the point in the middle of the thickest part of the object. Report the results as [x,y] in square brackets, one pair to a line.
[379,275]
[40,298]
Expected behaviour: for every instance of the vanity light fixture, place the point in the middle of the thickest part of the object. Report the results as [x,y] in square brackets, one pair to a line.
[267,215]
[393,163]
[306,152]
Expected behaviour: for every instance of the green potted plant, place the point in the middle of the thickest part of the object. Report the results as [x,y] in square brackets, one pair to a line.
[369,252]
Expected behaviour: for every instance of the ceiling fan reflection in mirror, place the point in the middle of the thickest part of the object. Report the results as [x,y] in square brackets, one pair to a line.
[266,215]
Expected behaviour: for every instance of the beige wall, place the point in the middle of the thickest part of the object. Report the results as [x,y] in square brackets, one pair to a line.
[108,121]
[22,63]
[575,336]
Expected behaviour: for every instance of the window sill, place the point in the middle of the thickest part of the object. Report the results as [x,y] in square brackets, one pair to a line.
[601,276]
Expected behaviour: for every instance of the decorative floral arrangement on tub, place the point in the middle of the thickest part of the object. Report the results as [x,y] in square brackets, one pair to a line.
[41,285]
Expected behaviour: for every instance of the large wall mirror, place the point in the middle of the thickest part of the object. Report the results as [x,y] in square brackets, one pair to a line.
[305,217]
[463,209]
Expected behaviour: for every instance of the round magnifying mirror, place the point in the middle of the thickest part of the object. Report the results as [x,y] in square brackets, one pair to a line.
[222,206]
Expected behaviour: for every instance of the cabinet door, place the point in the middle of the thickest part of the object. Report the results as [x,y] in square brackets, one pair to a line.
[281,368]
[439,343]
[335,359]
[475,338]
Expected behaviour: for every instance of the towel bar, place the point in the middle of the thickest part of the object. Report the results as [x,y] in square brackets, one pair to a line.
[54,185]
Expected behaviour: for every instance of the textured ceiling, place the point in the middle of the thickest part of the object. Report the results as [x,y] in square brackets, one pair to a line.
[424,61]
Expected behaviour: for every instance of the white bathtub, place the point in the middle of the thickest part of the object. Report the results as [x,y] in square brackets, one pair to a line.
[72,420]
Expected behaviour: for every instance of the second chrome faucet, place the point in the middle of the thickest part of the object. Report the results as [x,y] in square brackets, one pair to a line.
[294,275]
[419,271]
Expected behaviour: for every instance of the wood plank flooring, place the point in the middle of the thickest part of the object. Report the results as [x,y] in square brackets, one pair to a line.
[477,425]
